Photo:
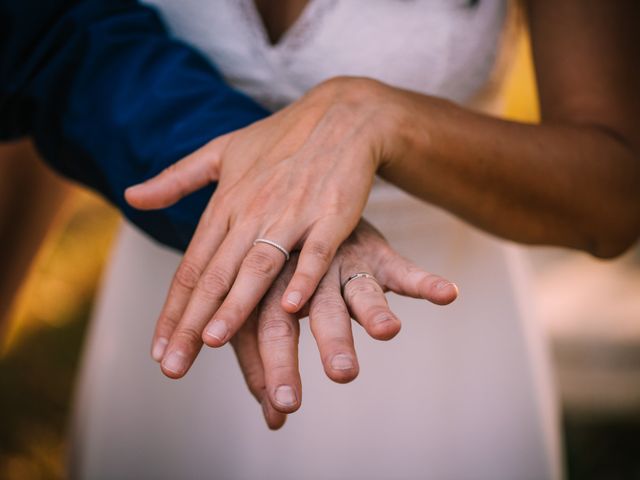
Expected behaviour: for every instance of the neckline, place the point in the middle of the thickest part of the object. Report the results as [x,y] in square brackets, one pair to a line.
[293,31]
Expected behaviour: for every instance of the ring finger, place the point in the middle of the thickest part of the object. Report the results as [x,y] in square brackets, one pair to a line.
[256,274]
[366,300]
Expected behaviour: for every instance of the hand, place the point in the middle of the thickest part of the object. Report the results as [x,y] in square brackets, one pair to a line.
[300,178]
[266,345]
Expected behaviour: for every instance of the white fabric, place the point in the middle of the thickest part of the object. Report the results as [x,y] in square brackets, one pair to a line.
[462,393]
[440,47]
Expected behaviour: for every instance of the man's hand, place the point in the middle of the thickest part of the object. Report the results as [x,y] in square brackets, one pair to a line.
[267,345]
[300,178]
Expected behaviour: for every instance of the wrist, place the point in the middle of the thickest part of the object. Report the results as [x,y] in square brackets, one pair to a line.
[363,104]
[400,126]
[412,123]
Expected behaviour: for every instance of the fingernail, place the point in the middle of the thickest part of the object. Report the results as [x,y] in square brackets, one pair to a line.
[342,362]
[158,349]
[294,298]
[286,396]
[175,362]
[382,319]
[443,284]
[218,330]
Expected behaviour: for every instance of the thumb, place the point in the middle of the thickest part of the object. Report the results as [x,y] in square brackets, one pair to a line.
[187,175]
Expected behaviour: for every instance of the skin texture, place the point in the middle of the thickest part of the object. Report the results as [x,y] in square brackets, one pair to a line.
[266,345]
[573,180]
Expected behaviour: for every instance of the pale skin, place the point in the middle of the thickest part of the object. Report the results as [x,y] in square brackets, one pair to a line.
[573,180]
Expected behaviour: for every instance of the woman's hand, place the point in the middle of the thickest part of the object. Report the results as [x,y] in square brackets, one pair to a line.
[300,178]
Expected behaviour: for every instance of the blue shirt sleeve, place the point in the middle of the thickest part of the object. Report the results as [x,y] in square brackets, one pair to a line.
[111,99]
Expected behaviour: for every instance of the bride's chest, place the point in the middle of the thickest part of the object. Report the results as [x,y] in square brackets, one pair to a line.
[440,47]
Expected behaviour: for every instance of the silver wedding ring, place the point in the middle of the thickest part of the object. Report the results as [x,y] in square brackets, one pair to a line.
[283,250]
[355,276]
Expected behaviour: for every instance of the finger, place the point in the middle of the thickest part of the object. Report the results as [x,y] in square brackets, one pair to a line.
[315,258]
[278,333]
[405,278]
[366,300]
[245,345]
[331,327]
[210,290]
[257,273]
[193,172]
[201,248]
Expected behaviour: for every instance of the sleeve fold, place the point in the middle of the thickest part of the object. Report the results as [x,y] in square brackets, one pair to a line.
[111,99]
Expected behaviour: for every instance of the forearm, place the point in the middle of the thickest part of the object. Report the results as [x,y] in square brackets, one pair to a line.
[559,184]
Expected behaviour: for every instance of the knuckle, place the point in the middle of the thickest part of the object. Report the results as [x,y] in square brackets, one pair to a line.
[320,250]
[262,264]
[232,310]
[256,207]
[187,275]
[167,322]
[329,305]
[361,289]
[413,271]
[188,336]
[214,284]
[281,368]
[275,330]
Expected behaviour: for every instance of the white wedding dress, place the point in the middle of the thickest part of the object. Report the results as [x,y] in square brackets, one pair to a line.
[463,392]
